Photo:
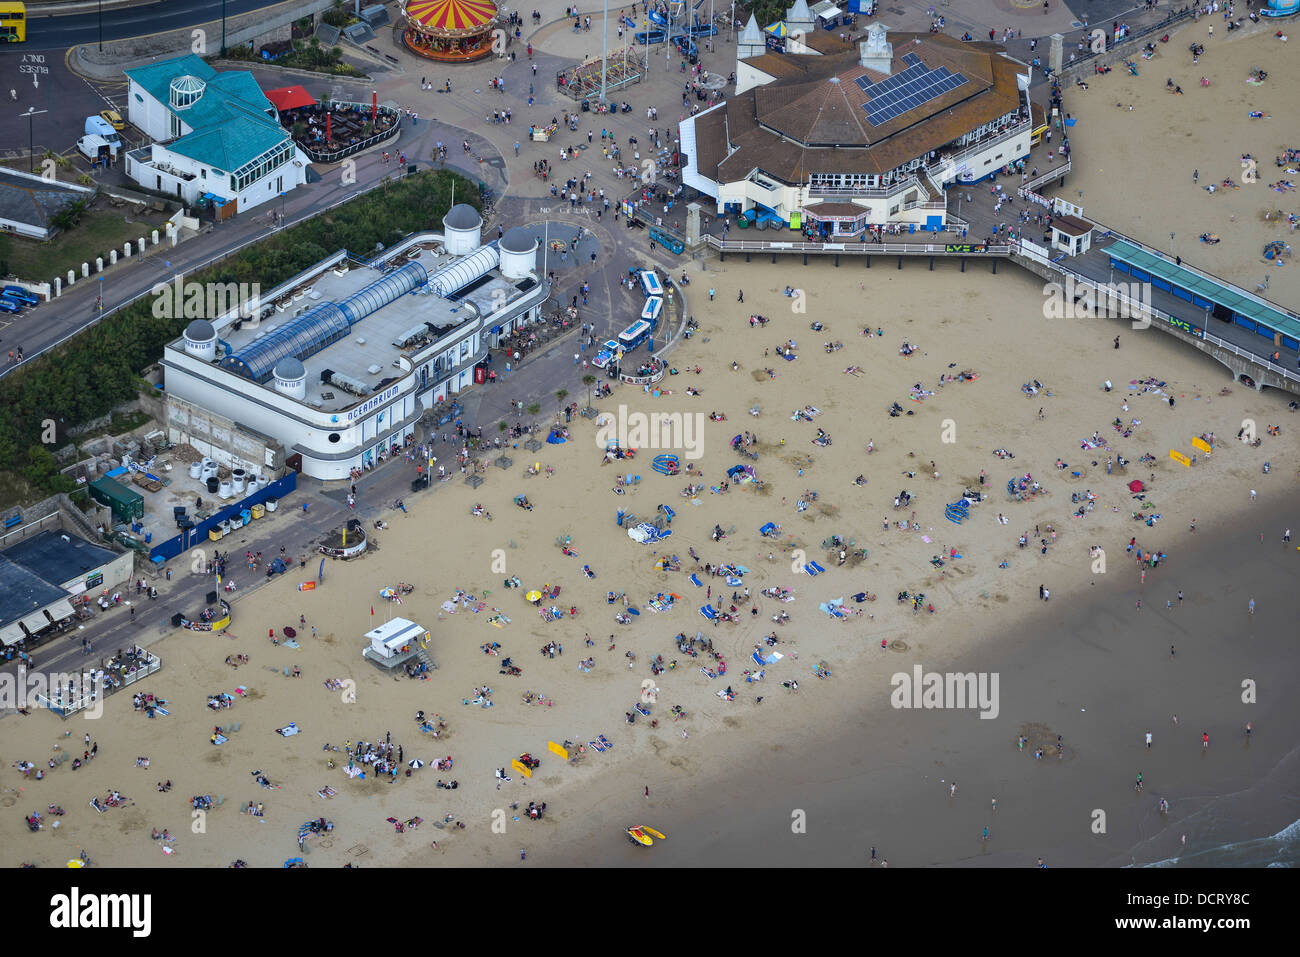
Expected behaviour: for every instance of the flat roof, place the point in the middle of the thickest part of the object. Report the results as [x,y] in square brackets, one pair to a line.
[395,631]
[1071,225]
[48,556]
[1206,287]
[369,344]
[23,592]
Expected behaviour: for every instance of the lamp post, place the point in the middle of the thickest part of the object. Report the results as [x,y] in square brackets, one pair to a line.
[282,209]
[101,25]
[31,114]
[604,48]
[99,302]
[1171,244]
[223,27]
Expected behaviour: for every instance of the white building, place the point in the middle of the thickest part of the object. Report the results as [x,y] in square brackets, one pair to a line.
[212,133]
[338,364]
[842,138]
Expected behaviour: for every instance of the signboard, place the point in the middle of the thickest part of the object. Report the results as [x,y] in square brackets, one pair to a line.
[1203,445]
[964,248]
[1179,457]
[373,403]
[95,580]
[1187,327]
[667,240]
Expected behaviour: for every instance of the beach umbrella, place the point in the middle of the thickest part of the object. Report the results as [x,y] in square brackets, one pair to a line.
[534,596]
[289,632]
[415,763]
[1136,485]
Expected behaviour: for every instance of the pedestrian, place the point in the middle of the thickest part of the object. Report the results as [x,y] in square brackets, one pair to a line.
[1180,598]
[1247,729]
[1148,740]
[873,855]
[710,294]
[741,296]
[986,834]
[1171,652]
[1205,740]
[1252,495]
[522,854]
[952,790]
[1251,607]
[647,790]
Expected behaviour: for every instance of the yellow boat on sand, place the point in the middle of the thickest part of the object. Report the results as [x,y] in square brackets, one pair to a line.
[644,835]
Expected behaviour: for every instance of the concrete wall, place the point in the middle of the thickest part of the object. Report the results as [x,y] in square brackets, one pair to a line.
[260,27]
[222,439]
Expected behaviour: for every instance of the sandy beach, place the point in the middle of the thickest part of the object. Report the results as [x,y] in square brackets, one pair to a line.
[1150,153]
[990,392]
[957,322]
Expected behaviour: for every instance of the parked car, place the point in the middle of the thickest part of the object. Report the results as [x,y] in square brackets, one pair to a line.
[8,305]
[19,294]
[114,119]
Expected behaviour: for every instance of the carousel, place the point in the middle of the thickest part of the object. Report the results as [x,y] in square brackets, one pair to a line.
[450,31]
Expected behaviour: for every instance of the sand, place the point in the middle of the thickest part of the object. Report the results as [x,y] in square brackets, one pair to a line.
[743,766]
[1150,152]
[972,321]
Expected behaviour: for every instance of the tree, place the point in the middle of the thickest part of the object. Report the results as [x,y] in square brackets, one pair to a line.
[534,408]
[561,395]
[501,426]
[589,380]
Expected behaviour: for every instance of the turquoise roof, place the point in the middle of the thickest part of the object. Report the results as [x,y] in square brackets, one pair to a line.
[1251,307]
[229,122]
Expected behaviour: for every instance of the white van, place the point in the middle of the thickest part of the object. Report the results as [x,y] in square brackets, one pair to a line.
[98,126]
[95,147]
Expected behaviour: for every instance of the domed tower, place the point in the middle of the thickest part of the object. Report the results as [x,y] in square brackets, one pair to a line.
[462,226]
[290,377]
[201,340]
[518,248]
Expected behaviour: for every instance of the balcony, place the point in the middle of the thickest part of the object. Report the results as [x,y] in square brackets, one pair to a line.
[865,192]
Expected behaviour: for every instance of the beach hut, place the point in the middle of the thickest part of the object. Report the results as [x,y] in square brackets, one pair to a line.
[394,642]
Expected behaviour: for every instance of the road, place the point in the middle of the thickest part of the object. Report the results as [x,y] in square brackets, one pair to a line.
[58,33]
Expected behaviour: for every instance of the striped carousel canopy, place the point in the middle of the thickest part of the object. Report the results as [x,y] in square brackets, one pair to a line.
[450,16]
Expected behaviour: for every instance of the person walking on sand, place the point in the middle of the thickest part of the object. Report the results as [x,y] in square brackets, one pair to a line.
[1148,740]
[873,854]
[1250,608]
[952,791]
[647,790]
[741,296]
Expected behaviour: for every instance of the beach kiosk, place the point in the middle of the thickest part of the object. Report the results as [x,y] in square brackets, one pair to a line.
[396,641]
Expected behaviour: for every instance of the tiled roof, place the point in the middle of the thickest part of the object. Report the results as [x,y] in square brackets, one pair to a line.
[230,122]
[802,122]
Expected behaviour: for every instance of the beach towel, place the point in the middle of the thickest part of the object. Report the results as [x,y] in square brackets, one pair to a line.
[221,739]
[734,581]
[290,731]
[695,580]
[290,643]
[162,711]
[241,690]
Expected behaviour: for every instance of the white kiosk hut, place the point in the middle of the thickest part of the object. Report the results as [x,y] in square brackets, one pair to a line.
[395,641]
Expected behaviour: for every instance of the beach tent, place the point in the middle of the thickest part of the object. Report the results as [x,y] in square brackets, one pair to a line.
[735,470]
[771,528]
[555,438]
[1136,485]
